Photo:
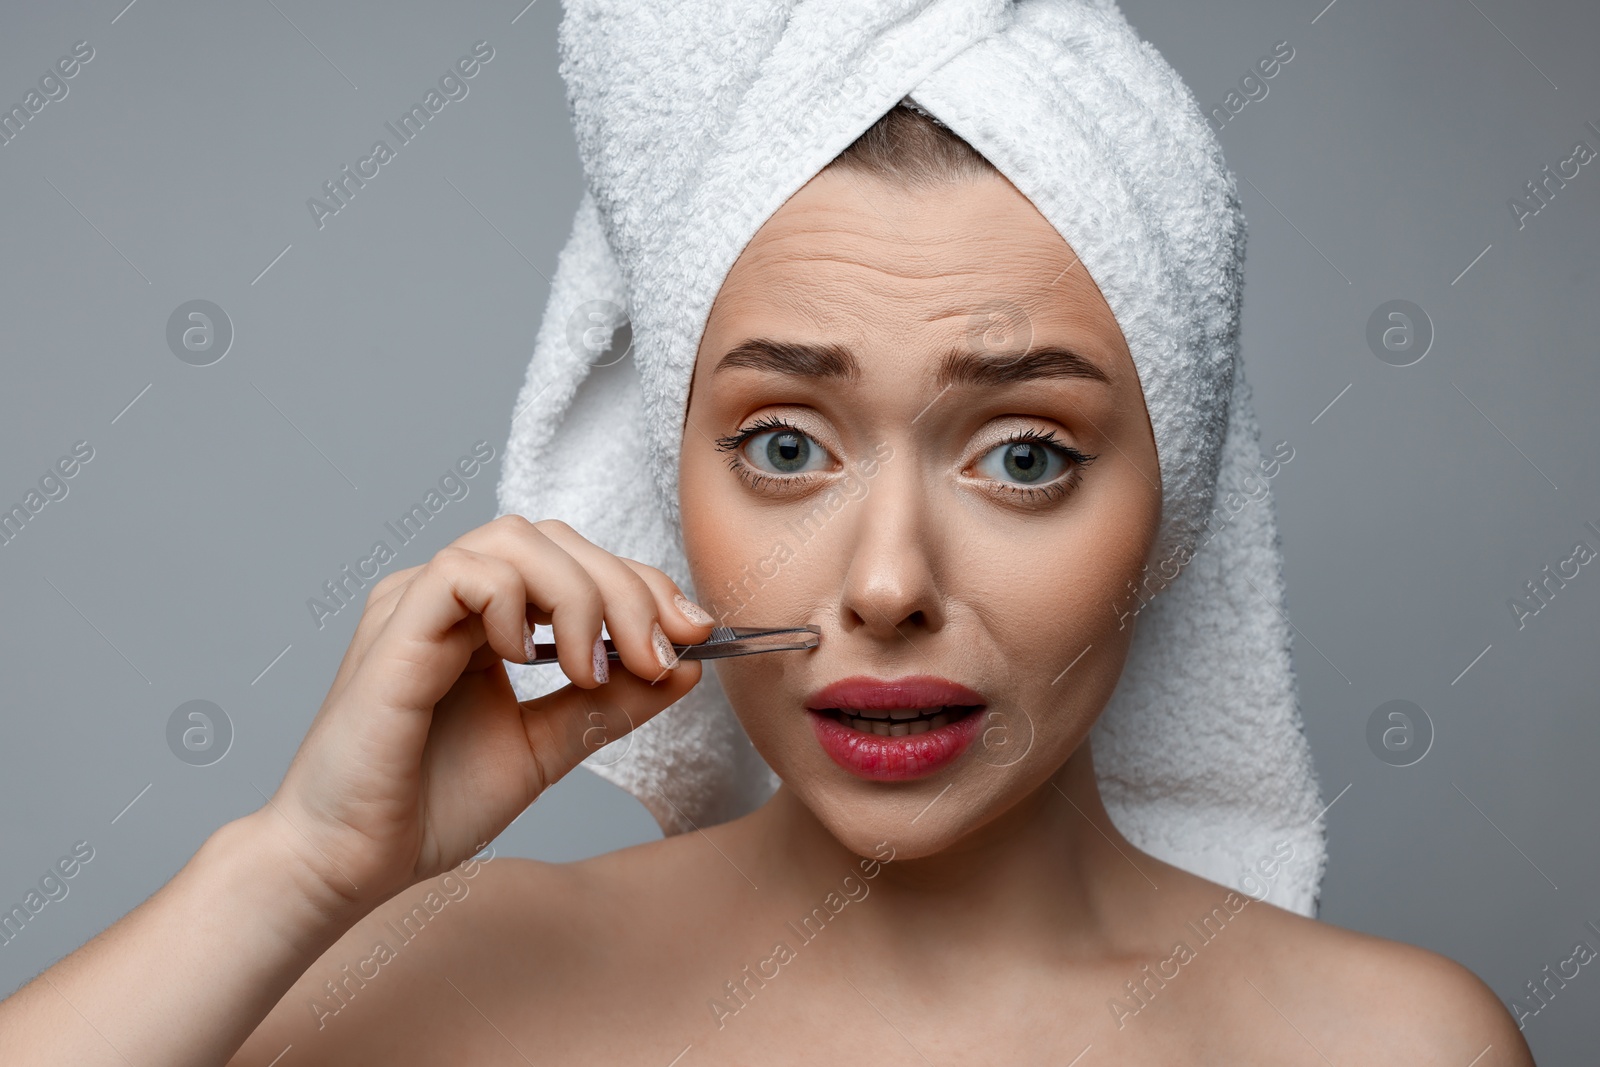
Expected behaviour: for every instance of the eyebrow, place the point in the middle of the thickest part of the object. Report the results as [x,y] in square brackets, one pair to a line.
[957,367]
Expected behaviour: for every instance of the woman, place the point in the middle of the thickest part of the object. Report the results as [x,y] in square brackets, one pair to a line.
[985,906]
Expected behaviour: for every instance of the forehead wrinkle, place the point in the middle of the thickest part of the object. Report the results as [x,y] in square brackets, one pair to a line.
[909,263]
[993,244]
[848,273]
[1008,266]
[981,283]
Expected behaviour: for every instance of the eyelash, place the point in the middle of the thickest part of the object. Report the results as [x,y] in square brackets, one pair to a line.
[1061,486]
[733,444]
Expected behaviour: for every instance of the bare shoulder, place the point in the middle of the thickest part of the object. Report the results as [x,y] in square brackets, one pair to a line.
[1371,1000]
[504,949]
[407,981]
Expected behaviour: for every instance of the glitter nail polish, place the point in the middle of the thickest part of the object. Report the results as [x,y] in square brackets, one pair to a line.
[692,611]
[664,652]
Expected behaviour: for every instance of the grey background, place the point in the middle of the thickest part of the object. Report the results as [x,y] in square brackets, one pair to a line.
[378,349]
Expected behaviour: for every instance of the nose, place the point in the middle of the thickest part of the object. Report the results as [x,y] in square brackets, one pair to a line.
[890,588]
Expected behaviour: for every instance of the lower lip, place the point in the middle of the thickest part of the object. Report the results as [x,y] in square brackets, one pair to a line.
[894,759]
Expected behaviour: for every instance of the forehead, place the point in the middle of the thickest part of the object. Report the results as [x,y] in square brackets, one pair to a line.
[864,258]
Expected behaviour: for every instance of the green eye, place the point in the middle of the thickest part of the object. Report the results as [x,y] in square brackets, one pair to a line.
[788,451]
[1034,466]
[1028,462]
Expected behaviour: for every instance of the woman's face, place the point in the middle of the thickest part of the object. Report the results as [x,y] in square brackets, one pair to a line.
[915,424]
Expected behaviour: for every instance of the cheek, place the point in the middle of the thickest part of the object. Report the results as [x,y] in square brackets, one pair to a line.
[751,568]
[705,541]
[740,558]
[1063,589]
[1058,618]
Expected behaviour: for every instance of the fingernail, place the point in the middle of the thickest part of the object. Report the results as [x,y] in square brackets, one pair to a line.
[527,641]
[692,611]
[664,652]
[602,669]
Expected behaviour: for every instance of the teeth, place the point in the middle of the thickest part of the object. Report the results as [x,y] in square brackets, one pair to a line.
[889,728]
[895,714]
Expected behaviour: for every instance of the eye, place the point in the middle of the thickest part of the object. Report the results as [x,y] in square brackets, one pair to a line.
[770,447]
[1035,465]
[784,451]
[1028,463]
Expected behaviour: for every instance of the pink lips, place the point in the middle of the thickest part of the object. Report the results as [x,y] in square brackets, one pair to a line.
[893,758]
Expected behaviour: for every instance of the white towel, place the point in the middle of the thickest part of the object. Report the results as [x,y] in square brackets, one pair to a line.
[695,121]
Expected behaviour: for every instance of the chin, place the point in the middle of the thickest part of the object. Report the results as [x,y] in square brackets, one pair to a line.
[863,826]
[918,818]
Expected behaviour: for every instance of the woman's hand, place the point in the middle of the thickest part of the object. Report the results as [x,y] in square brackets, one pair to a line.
[421,752]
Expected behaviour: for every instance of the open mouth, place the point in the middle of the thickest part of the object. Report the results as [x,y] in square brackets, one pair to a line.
[899,722]
[895,729]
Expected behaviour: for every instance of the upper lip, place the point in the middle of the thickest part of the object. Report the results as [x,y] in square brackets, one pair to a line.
[879,694]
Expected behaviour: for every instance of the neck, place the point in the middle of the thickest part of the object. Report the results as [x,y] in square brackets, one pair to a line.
[1048,874]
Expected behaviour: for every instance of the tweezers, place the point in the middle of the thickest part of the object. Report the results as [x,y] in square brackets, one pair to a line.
[725,641]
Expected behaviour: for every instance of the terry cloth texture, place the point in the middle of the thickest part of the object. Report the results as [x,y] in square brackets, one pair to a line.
[695,121]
